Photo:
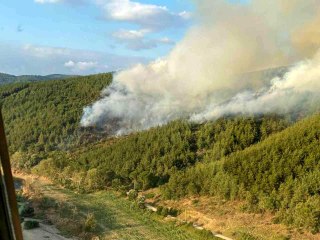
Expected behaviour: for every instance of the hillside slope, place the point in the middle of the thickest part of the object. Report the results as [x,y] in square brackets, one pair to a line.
[258,159]
[280,174]
[234,158]
[42,116]
[148,159]
[8,78]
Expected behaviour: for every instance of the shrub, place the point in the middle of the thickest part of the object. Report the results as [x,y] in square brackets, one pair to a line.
[47,203]
[307,215]
[26,210]
[20,197]
[90,223]
[141,202]
[30,225]
[164,211]
[116,183]
[150,195]
[95,180]
[159,210]
[173,212]
[132,194]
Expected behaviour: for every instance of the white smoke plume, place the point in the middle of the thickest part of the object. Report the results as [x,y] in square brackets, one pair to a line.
[297,90]
[206,74]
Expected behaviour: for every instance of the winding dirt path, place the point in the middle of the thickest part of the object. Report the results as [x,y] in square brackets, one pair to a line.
[44,231]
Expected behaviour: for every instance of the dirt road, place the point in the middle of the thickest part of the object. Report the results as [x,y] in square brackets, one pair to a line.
[44,232]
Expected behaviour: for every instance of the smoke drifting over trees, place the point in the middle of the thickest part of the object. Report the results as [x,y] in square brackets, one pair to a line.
[200,79]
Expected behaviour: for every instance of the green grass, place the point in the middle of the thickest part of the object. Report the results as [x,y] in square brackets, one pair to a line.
[119,218]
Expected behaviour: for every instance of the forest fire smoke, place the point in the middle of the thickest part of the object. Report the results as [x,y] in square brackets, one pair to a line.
[200,79]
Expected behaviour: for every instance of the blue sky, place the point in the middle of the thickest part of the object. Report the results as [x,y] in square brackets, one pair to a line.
[87,36]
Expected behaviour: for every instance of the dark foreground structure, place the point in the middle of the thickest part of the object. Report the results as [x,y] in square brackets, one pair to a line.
[10,228]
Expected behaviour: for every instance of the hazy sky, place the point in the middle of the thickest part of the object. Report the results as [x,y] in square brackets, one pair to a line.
[87,36]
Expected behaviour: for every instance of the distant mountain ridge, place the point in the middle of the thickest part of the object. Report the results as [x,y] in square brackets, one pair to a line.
[8,78]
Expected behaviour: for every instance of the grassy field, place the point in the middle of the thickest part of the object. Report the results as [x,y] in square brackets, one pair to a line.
[123,220]
[115,217]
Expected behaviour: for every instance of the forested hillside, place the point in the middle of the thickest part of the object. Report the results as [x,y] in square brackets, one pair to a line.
[233,158]
[8,78]
[280,174]
[261,160]
[44,116]
[149,158]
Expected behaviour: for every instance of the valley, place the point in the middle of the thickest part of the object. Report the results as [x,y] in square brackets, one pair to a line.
[226,176]
[160,120]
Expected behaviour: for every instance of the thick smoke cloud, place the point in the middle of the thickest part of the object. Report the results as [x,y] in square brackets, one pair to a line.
[298,90]
[207,73]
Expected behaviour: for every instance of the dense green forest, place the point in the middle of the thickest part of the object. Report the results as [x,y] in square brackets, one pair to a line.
[280,174]
[149,158]
[267,161]
[44,116]
[233,158]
